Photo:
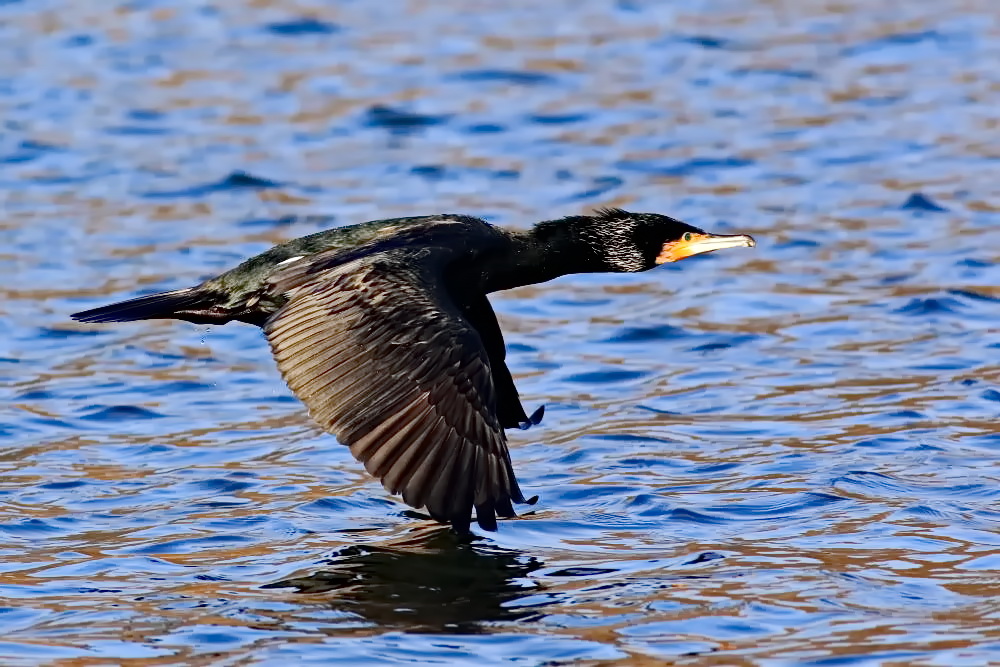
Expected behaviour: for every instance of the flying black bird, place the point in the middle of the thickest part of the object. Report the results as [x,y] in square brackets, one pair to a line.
[384,331]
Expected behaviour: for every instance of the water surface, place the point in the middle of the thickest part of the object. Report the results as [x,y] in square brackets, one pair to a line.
[779,456]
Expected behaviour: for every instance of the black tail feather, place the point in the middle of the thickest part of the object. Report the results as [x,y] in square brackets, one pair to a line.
[164,305]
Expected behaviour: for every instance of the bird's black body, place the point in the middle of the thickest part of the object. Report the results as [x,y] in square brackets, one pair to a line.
[384,331]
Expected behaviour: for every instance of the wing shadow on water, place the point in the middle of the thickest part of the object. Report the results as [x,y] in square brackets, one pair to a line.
[434,582]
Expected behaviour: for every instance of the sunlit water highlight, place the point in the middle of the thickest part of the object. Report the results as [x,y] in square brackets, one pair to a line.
[779,456]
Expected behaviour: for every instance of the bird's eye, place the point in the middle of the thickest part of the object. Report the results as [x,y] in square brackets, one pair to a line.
[687,237]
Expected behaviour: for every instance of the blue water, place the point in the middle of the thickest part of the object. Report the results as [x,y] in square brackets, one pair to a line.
[778,456]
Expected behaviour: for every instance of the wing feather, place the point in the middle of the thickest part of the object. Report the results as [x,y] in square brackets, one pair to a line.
[382,355]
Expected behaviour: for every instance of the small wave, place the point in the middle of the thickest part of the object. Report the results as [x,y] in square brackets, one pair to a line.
[302,26]
[237,180]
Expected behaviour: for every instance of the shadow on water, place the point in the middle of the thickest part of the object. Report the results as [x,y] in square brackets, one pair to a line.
[435,582]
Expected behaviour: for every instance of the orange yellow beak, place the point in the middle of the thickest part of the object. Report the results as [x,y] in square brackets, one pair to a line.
[696,244]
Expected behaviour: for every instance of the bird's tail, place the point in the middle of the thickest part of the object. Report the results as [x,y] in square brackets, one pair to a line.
[182,304]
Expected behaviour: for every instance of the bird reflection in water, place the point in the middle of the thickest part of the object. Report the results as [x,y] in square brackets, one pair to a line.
[434,582]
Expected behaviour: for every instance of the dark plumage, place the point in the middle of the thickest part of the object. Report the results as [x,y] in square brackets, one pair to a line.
[384,331]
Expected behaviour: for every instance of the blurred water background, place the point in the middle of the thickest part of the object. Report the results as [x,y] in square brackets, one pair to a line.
[779,456]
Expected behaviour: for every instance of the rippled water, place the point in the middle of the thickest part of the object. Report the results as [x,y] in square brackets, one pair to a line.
[779,456]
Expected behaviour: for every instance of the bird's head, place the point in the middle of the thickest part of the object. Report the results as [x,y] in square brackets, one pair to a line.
[632,242]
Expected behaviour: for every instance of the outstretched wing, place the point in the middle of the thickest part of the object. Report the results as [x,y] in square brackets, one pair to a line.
[382,356]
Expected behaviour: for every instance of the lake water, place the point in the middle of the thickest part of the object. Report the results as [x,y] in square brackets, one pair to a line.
[779,456]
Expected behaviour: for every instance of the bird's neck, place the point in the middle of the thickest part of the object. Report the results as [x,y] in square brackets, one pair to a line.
[546,251]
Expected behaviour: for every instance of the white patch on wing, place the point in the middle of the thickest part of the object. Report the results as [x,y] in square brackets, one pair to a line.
[291,259]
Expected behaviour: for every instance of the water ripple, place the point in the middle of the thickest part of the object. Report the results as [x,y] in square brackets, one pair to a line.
[237,180]
[778,456]
[302,26]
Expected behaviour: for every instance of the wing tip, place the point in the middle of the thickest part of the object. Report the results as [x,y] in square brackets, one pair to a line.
[534,420]
[460,524]
[487,521]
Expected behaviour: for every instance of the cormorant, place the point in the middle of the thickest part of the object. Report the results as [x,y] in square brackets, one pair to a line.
[384,331]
